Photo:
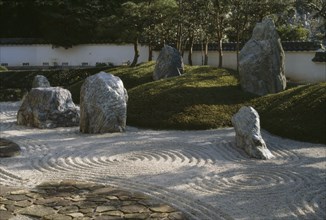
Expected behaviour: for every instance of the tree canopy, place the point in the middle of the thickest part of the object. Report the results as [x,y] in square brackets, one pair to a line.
[179,22]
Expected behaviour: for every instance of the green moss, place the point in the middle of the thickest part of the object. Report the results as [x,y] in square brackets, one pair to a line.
[298,113]
[203,98]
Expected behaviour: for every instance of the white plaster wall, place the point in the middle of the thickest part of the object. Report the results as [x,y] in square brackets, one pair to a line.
[299,67]
[36,55]
[17,55]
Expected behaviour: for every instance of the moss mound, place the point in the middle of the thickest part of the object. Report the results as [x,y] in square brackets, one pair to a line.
[203,98]
[298,113]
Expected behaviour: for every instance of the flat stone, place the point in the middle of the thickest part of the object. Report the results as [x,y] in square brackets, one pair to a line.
[6,214]
[136,216]
[76,215]
[159,215]
[2,207]
[57,217]
[8,148]
[86,204]
[17,197]
[134,209]
[11,208]
[105,208]
[36,211]
[112,197]
[68,209]
[113,213]
[162,208]
[104,191]
[19,192]
[23,203]
[87,210]
[77,198]
[107,217]
[54,200]
[7,202]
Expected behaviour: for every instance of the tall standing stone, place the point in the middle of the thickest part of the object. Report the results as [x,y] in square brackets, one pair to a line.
[261,61]
[48,108]
[169,63]
[247,133]
[40,81]
[103,104]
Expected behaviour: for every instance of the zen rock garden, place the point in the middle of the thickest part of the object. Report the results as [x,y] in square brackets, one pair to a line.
[103,98]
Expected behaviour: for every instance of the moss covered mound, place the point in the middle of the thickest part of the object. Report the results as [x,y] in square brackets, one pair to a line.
[203,98]
[298,113]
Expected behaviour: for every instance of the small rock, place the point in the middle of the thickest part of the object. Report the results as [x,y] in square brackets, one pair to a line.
[8,148]
[40,81]
[169,63]
[247,129]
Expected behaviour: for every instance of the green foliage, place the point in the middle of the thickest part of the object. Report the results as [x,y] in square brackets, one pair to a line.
[3,68]
[293,33]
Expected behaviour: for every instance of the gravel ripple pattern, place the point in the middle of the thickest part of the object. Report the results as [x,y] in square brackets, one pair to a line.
[201,173]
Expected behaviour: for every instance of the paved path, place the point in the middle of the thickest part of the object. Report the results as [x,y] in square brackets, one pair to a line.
[200,173]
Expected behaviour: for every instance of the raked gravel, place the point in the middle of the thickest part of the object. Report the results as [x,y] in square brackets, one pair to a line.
[201,173]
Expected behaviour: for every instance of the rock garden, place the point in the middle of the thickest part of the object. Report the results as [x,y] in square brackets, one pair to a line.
[166,141]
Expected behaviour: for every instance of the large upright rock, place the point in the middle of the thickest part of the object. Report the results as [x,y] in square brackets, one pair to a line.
[48,108]
[247,129]
[169,63]
[103,104]
[261,61]
[40,81]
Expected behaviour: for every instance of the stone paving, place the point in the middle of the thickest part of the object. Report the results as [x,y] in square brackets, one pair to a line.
[67,200]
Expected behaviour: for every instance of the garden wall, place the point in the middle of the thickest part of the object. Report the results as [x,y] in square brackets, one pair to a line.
[81,55]
[299,66]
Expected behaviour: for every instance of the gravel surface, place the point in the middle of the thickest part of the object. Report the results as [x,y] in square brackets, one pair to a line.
[201,173]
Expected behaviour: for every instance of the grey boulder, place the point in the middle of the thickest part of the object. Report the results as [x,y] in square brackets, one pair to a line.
[261,61]
[248,137]
[40,81]
[103,104]
[48,108]
[169,63]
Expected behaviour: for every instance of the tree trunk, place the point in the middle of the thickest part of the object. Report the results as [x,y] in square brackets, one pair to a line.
[135,61]
[220,53]
[238,51]
[191,45]
[150,51]
[206,52]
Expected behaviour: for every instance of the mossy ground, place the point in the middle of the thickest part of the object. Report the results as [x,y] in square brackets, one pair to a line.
[207,97]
